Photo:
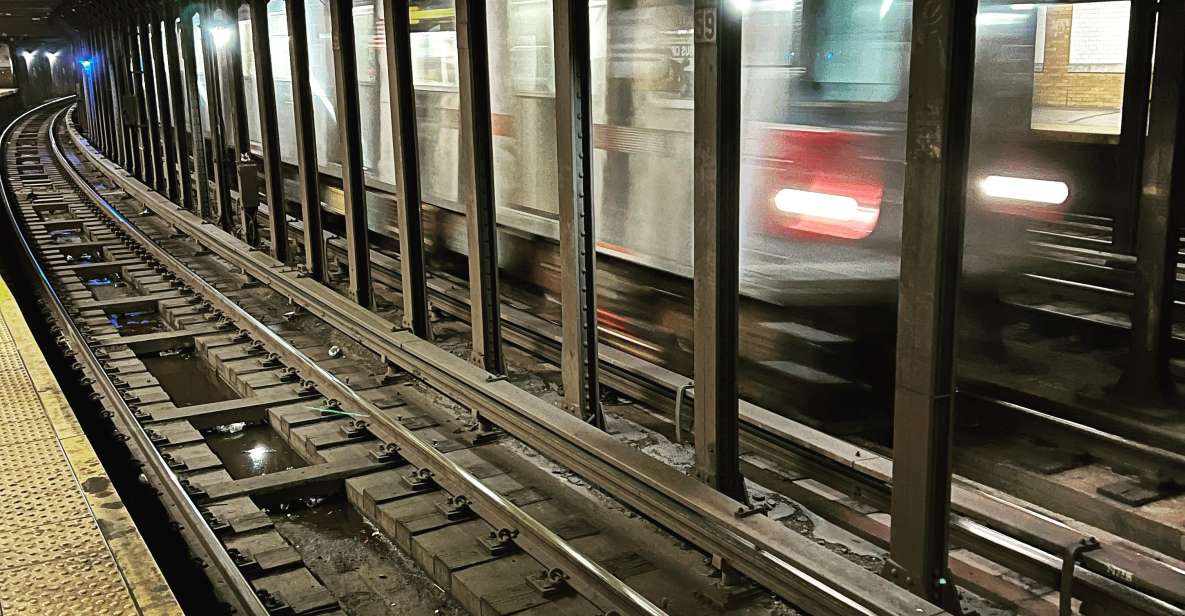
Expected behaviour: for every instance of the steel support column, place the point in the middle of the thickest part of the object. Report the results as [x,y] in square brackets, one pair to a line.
[405,143]
[306,140]
[717,27]
[265,93]
[349,130]
[232,60]
[578,250]
[477,159]
[126,94]
[177,101]
[139,91]
[210,54]
[942,57]
[168,121]
[1147,377]
[232,57]
[98,66]
[197,134]
[153,125]
[1136,79]
[115,102]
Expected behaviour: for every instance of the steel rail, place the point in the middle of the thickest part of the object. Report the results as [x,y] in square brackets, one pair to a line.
[243,594]
[788,564]
[1100,577]
[544,544]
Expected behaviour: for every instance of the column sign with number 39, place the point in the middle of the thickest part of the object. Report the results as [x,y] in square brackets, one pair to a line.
[705,25]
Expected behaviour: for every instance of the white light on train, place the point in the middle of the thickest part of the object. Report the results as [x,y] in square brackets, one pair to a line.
[53,57]
[220,35]
[29,55]
[818,205]
[1025,189]
[742,5]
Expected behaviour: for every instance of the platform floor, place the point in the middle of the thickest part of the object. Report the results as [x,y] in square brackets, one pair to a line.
[67,545]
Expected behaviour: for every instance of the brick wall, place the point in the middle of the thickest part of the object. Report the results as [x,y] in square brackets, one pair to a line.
[1057,86]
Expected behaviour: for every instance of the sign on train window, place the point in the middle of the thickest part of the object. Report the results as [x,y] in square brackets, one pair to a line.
[434,59]
[1079,59]
[531,56]
[1098,37]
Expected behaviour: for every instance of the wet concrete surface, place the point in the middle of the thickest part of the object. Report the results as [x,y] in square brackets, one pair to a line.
[254,450]
[368,574]
[188,380]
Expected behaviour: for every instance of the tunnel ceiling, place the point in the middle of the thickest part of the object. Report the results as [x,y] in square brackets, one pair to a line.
[30,19]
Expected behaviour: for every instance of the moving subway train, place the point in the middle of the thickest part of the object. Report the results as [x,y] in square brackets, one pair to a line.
[823,142]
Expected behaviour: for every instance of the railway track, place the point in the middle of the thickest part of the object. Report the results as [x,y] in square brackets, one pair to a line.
[183,297]
[170,306]
[1071,446]
[1094,452]
[1116,575]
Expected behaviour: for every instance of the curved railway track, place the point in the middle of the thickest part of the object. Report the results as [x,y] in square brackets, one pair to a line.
[49,193]
[781,451]
[72,218]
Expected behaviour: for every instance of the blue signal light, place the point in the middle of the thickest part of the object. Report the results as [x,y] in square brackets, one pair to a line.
[86,64]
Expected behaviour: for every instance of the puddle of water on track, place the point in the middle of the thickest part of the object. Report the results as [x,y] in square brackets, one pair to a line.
[254,450]
[137,323]
[188,380]
[109,286]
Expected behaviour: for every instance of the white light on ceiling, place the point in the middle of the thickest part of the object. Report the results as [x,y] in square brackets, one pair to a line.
[220,35]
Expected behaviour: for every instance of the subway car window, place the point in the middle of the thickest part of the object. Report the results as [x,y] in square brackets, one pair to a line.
[247,56]
[822,173]
[434,72]
[321,81]
[373,94]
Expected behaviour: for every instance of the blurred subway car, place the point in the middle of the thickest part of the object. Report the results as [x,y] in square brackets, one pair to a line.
[825,85]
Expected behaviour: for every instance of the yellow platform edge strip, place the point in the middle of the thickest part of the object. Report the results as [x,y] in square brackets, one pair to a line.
[145,590]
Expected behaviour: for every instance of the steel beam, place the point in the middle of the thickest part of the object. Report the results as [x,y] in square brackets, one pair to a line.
[232,56]
[265,94]
[578,249]
[96,78]
[1147,377]
[211,62]
[942,57]
[306,140]
[1136,79]
[405,143]
[245,169]
[717,27]
[124,92]
[177,101]
[168,121]
[103,78]
[477,159]
[115,103]
[154,125]
[349,130]
[197,135]
[138,91]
